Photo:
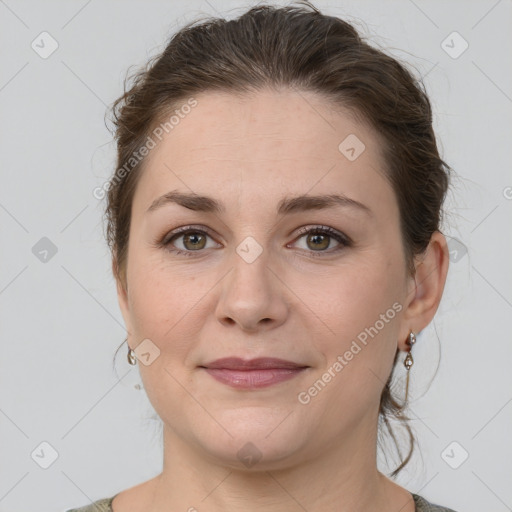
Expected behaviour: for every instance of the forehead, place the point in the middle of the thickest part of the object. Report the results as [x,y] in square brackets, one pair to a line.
[267,117]
[262,144]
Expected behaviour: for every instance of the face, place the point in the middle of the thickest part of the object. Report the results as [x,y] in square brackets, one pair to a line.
[319,284]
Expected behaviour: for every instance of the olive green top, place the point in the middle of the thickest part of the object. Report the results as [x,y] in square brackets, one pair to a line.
[104,505]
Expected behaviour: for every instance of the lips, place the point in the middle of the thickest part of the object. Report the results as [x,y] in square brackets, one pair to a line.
[262,363]
[254,373]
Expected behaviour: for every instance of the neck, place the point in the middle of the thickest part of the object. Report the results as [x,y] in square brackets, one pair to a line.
[342,478]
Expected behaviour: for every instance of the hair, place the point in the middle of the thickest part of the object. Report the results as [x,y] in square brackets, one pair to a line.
[294,47]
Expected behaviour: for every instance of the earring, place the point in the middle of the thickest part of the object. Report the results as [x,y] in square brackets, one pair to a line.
[408,362]
[131,355]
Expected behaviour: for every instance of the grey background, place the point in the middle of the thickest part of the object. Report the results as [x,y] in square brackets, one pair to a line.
[60,322]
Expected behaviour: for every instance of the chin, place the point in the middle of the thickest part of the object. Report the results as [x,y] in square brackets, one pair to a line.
[252,456]
[261,438]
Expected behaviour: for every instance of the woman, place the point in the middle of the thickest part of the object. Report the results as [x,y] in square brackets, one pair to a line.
[274,223]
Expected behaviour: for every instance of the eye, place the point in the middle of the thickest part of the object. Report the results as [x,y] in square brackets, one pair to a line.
[194,240]
[320,238]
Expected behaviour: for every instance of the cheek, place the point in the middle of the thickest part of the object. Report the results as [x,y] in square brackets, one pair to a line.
[357,362]
[364,316]
[365,292]
[167,306]
[153,301]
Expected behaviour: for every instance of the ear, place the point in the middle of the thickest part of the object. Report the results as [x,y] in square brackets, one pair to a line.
[122,295]
[426,288]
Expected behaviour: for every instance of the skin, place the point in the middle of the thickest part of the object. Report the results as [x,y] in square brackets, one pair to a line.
[249,152]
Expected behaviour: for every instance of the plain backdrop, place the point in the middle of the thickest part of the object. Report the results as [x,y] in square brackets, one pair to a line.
[65,406]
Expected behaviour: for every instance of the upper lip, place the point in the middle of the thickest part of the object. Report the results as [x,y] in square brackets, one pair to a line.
[236,363]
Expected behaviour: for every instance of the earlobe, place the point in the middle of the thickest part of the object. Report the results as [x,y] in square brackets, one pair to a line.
[427,287]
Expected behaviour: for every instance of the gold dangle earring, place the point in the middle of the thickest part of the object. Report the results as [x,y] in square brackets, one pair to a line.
[408,362]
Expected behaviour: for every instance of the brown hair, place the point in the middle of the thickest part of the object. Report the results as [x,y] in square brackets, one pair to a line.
[295,47]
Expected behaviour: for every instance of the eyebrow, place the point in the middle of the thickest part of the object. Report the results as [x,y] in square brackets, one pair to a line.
[287,205]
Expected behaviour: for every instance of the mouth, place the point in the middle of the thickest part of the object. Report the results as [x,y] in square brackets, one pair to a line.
[254,373]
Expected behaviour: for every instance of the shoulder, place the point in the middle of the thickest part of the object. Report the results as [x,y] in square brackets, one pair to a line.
[103,505]
[422,505]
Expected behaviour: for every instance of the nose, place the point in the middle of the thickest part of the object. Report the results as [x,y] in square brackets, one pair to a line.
[252,296]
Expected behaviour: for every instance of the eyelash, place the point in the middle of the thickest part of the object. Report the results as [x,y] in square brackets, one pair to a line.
[322,230]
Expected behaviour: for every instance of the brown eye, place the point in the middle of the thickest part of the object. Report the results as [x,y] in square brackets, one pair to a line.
[193,240]
[186,241]
[319,239]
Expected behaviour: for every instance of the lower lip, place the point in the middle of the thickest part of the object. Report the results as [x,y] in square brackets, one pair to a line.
[253,379]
